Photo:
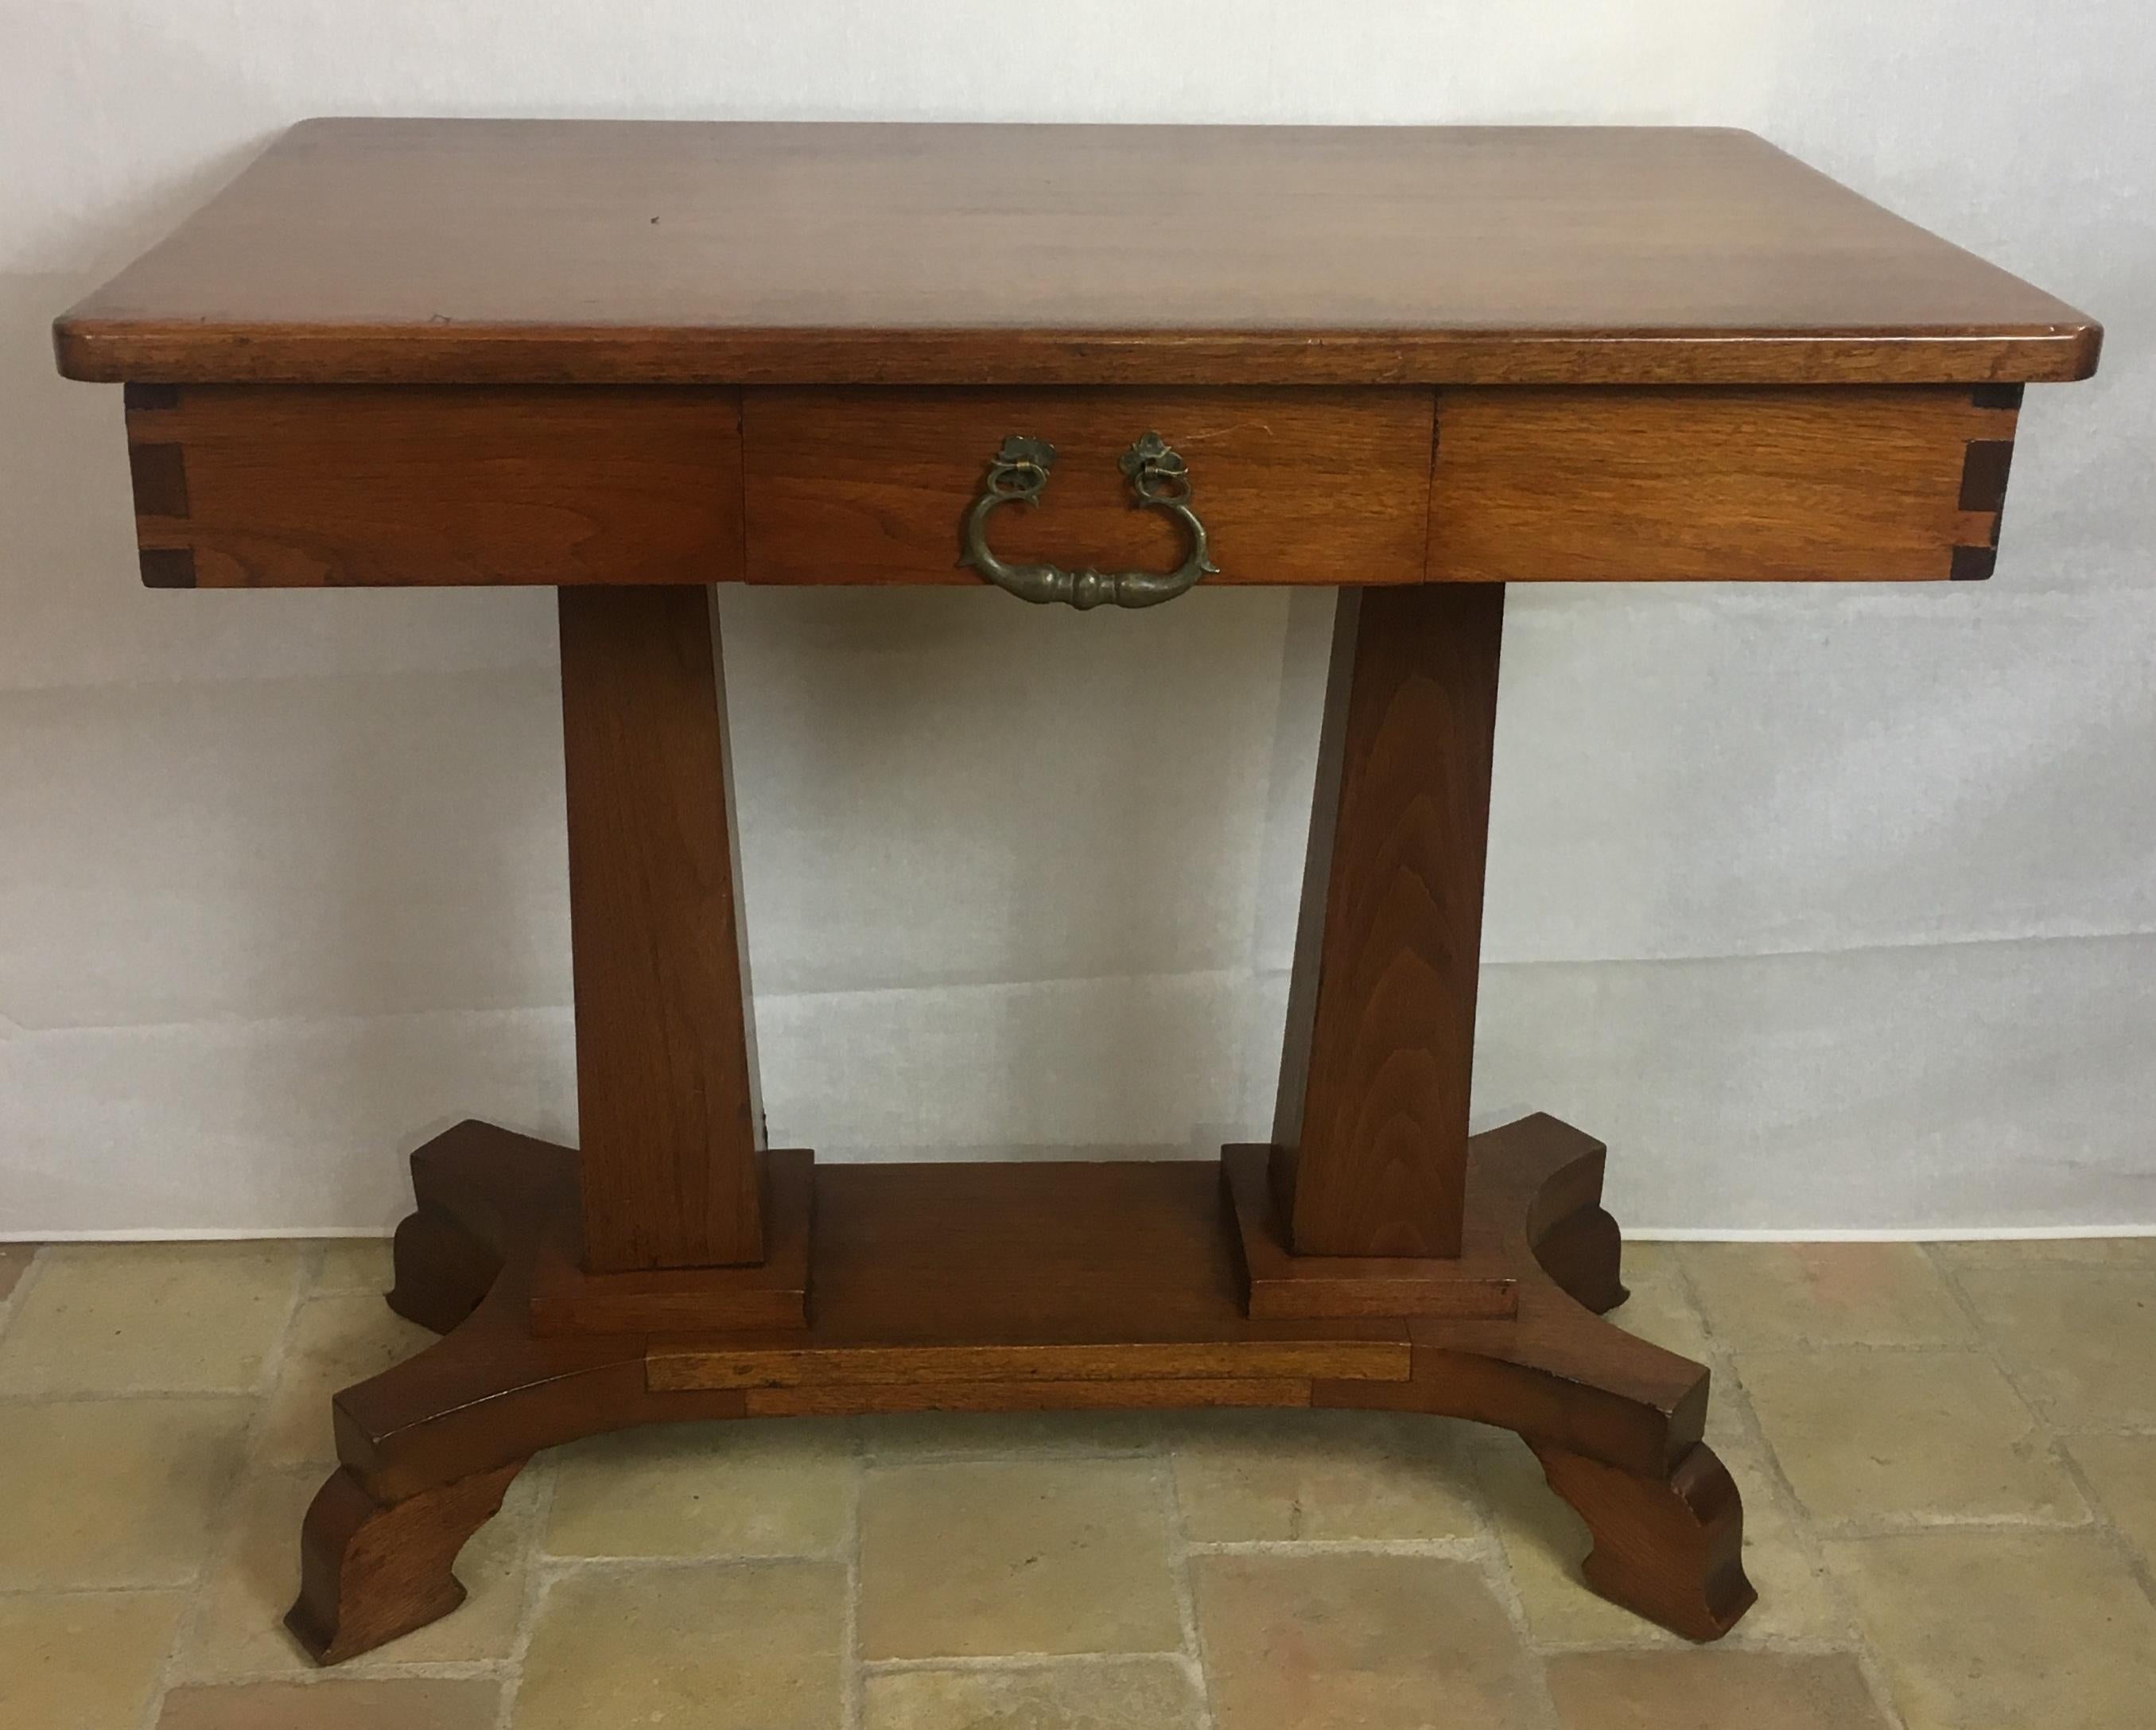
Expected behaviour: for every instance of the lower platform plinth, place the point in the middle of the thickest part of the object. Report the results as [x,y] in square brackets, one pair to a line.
[772,1293]
[968,1287]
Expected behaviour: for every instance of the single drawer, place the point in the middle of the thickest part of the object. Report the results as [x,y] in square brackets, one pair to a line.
[265,486]
[1840,483]
[274,486]
[874,485]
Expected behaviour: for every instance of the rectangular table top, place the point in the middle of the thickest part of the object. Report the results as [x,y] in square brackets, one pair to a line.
[441,251]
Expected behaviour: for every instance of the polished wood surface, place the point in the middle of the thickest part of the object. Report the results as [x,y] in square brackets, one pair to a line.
[285,486]
[1062,1271]
[666,1086]
[1671,1547]
[567,1297]
[641,252]
[1023,1286]
[1704,486]
[630,360]
[303,488]
[1371,1122]
[1293,486]
[1277,1282]
[370,1571]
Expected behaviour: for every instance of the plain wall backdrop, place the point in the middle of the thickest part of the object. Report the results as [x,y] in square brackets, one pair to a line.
[1826,907]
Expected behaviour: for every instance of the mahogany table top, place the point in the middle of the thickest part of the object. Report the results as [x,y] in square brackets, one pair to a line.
[447,251]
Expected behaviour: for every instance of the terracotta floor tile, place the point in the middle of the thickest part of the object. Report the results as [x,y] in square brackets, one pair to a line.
[336,1703]
[125,1318]
[1798,1599]
[87,1661]
[2122,1470]
[334,1341]
[14,1262]
[1660,1308]
[114,1493]
[1986,1630]
[1035,1533]
[1544,1543]
[1323,1475]
[2073,1336]
[966,1559]
[1884,1438]
[766,1487]
[355,1264]
[1139,1694]
[1717,1689]
[1764,1296]
[239,1627]
[751,1646]
[1328,1642]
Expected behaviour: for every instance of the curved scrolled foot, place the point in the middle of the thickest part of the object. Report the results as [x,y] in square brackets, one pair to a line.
[1553,1174]
[443,1273]
[1670,1550]
[1616,1421]
[428,1446]
[370,1571]
[1580,1252]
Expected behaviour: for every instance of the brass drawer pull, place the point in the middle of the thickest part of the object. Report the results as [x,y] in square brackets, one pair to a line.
[1159,481]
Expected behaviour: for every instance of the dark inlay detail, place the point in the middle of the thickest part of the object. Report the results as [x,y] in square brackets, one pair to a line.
[1997,396]
[1973,564]
[1984,474]
[168,568]
[150,396]
[159,473]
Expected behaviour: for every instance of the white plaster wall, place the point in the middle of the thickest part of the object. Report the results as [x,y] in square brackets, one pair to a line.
[1828,909]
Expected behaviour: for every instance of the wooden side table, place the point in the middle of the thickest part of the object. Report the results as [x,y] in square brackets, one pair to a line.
[1100,366]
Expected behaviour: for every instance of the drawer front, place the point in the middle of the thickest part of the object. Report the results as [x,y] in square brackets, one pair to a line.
[287,486]
[1845,483]
[873,485]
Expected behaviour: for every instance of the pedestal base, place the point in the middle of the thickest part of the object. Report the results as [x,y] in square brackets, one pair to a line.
[996,1287]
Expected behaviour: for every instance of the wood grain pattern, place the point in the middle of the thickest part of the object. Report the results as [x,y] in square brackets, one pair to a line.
[1371,1125]
[1555,1371]
[309,487]
[773,1293]
[283,487]
[157,475]
[1982,498]
[370,1571]
[677,1362]
[668,1112]
[1277,1282]
[1060,1271]
[1018,1273]
[1617,1421]
[426,352]
[1696,485]
[1670,1548]
[493,1389]
[1180,1394]
[625,252]
[1293,486]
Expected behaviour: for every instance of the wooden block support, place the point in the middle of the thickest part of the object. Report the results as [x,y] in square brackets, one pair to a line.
[1372,1125]
[666,1087]
[1277,1284]
[773,1293]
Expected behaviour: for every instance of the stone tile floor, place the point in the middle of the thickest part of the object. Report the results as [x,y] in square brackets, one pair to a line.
[1948,1455]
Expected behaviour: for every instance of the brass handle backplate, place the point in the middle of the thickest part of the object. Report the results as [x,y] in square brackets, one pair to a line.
[1159,481]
